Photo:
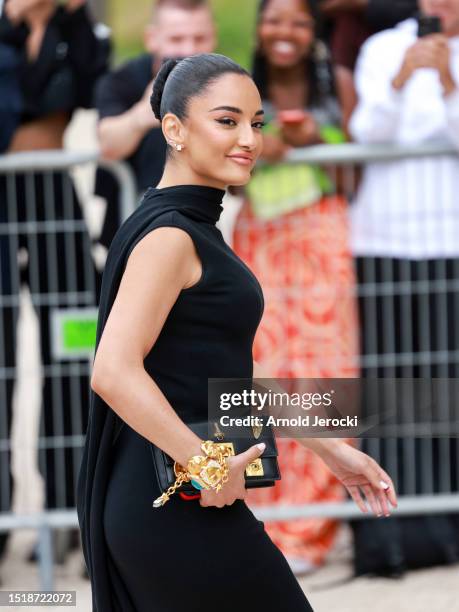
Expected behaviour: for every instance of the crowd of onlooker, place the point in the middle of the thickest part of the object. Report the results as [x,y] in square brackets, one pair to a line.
[328,71]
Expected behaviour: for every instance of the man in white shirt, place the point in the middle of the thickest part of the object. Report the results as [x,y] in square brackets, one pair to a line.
[407,89]
[405,235]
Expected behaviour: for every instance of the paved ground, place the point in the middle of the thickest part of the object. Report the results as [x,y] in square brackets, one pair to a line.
[434,590]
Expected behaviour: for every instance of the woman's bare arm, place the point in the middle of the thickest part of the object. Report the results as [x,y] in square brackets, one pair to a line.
[358,472]
[347,96]
[318,445]
[159,267]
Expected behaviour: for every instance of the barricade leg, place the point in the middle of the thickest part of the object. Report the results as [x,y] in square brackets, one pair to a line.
[45,558]
[9,312]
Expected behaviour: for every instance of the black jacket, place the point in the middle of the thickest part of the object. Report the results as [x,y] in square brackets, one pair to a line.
[10,95]
[70,59]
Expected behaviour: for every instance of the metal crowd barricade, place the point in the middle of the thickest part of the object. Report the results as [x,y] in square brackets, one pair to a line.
[45,244]
[343,163]
[426,470]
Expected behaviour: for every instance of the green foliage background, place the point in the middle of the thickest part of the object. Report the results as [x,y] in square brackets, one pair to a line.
[235,20]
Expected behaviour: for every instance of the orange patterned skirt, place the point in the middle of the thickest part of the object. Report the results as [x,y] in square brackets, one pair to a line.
[309,329]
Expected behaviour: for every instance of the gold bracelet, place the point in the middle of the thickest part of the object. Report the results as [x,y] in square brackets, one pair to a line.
[209,471]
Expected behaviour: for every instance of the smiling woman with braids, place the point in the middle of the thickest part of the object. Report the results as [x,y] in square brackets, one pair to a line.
[170,319]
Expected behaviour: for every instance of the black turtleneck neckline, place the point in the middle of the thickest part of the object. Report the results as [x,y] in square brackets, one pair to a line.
[201,202]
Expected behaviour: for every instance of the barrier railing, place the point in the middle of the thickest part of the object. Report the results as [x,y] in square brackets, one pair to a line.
[391,312]
[45,244]
[40,218]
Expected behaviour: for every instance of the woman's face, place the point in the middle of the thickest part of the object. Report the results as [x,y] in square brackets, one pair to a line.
[222,131]
[285,32]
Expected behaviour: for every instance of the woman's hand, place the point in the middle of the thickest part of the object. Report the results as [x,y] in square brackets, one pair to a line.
[302,133]
[234,488]
[360,473]
[274,149]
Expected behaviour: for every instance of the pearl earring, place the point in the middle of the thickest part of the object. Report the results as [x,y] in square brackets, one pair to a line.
[178,147]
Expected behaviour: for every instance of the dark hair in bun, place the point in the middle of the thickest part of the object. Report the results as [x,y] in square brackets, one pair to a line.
[178,81]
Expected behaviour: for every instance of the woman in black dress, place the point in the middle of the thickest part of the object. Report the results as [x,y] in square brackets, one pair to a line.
[179,307]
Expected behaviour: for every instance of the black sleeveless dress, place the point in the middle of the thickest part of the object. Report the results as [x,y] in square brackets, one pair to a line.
[181,556]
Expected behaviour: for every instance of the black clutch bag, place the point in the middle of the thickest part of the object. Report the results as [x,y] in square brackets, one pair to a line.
[263,472]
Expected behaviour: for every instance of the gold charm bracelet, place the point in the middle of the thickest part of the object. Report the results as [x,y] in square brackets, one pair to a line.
[208,471]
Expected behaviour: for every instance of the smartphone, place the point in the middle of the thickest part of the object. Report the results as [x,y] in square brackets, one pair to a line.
[428,25]
[291,117]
